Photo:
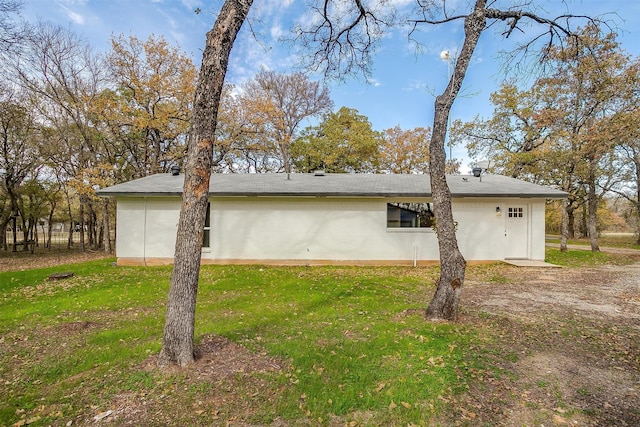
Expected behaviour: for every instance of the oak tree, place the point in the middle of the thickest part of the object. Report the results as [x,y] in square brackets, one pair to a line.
[560,132]
[276,104]
[63,78]
[19,157]
[343,38]
[149,111]
[343,142]
[178,339]
[405,151]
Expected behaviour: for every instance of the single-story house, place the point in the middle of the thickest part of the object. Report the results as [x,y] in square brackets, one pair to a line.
[318,218]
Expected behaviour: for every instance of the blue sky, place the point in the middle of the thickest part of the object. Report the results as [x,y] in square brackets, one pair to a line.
[401,88]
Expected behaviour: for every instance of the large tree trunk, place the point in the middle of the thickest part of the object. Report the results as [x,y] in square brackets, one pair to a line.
[178,340]
[444,304]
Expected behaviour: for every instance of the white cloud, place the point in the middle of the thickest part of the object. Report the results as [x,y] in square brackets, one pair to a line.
[374,82]
[70,10]
[69,3]
[181,38]
[75,17]
[276,32]
[415,85]
[191,4]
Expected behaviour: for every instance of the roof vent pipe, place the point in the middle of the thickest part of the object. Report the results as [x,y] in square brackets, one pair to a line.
[175,170]
[476,172]
[319,172]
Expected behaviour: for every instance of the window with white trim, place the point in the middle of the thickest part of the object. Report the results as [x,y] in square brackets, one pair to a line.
[409,215]
[515,212]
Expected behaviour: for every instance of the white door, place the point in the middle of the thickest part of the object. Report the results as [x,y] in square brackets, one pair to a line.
[516,231]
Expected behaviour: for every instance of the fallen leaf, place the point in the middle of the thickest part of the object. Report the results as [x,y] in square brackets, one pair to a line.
[380,386]
[392,406]
[102,415]
[406,405]
[558,420]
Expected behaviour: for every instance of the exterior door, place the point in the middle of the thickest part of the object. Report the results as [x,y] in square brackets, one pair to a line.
[516,231]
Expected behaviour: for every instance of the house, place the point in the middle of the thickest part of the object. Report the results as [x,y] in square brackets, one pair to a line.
[312,219]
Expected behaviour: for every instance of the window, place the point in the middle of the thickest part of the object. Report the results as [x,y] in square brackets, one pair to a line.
[206,236]
[515,212]
[409,215]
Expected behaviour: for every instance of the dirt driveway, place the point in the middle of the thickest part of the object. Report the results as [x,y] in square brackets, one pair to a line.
[568,347]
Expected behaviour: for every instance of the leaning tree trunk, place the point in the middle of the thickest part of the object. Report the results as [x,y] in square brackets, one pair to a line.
[178,341]
[444,304]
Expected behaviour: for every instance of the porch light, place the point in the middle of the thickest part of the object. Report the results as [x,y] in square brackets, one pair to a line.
[498,211]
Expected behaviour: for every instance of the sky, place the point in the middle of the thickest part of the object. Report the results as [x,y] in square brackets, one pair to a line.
[405,77]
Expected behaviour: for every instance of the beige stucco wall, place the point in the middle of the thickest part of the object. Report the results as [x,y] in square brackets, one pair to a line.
[316,230]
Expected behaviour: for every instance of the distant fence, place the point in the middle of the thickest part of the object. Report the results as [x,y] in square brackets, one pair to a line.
[57,238]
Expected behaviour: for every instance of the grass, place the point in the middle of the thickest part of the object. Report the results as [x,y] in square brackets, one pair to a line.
[352,341]
[628,241]
[584,258]
[351,344]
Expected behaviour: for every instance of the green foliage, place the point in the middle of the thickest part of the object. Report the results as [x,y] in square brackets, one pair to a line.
[343,142]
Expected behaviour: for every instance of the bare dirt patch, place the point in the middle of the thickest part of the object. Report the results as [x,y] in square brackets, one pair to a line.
[567,348]
[227,371]
[17,261]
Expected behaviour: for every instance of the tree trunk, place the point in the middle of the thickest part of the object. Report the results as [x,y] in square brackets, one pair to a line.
[106,226]
[49,230]
[178,340]
[444,304]
[4,223]
[637,168]
[571,223]
[564,226]
[584,228]
[81,214]
[25,233]
[593,213]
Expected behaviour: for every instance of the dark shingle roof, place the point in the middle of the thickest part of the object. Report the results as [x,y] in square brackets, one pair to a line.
[339,185]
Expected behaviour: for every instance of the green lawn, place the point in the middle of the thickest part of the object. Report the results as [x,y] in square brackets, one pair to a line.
[343,346]
[351,344]
[606,240]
